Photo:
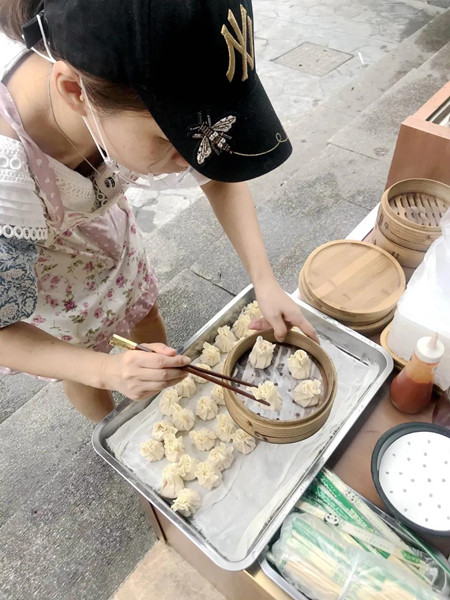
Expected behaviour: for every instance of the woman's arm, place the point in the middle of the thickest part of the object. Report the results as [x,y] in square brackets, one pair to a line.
[26,348]
[233,206]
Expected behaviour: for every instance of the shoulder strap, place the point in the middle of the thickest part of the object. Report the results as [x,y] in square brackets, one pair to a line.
[39,163]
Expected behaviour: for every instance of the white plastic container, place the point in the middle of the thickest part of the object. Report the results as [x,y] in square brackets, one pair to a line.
[425,306]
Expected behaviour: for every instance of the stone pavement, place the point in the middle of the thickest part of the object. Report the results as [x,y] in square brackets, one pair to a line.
[69,526]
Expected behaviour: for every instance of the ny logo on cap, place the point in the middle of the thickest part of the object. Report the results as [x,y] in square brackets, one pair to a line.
[239,44]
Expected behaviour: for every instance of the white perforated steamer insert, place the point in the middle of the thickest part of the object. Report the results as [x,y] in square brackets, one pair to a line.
[414,473]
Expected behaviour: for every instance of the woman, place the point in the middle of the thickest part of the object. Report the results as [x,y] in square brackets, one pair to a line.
[158,88]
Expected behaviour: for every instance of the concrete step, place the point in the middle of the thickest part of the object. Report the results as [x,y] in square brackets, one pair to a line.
[374,132]
[310,133]
[76,537]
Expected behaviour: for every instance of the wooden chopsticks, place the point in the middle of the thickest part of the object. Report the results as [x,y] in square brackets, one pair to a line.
[213,376]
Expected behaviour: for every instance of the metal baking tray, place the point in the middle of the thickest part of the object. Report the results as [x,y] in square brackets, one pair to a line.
[347,340]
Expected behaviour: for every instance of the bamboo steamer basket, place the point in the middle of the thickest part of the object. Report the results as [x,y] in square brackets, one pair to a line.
[282,432]
[354,282]
[407,257]
[411,210]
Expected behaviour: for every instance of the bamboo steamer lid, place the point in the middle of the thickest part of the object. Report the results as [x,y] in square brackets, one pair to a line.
[407,257]
[364,328]
[270,430]
[411,211]
[355,282]
[349,320]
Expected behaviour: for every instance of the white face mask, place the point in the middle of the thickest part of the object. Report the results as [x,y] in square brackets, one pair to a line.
[154,182]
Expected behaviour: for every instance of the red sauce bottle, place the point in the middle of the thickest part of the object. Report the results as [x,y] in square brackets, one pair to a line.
[411,389]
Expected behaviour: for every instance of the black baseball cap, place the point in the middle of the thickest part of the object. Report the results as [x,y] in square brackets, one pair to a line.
[192,63]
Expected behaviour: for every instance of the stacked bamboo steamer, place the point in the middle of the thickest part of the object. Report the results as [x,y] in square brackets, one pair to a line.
[357,283]
[408,219]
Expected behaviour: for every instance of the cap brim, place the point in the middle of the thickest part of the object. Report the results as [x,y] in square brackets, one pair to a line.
[230,141]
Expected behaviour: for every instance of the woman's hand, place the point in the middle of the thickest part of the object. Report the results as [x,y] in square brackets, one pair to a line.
[280,312]
[138,374]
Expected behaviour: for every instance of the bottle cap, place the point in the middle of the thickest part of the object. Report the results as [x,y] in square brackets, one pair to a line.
[430,349]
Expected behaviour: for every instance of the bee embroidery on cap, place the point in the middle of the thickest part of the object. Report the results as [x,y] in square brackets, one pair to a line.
[239,44]
[213,136]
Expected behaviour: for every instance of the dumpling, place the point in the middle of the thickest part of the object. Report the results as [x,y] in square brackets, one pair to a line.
[187,466]
[171,483]
[169,398]
[206,408]
[268,391]
[152,450]
[252,310]
[307,393]
[186,388]
[173,448]
[203,439]
[183,418]
[225,339]
[208,475]
[299,364]
[198,379]
[243,442]
[262,353]
[240,327]
[217,394]
[187,502]
[221,456]
[161,429]
[210,355]
[225,428]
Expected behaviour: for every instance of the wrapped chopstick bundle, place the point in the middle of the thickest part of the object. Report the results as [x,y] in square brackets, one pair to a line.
[332,496]
[317,559]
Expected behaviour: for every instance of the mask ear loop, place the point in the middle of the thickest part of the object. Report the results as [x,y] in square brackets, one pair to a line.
[49,55]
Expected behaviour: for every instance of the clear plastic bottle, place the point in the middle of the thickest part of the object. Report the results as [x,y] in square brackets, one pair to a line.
[412,387]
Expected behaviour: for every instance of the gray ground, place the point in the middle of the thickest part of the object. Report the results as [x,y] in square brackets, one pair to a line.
[69,527]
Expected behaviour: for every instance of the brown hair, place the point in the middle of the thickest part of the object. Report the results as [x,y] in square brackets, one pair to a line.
[109,97]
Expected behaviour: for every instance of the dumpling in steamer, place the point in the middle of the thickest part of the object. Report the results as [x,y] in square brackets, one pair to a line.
[225,428]
[225,339]
[243,442]
[262,353]
[187,502]
[187,466]
[221,456]
[206,408]
[208,475]
[183,418]
[307,393]
[168,399]
[240,327]
[217,394]
[171,483]
[268,391]
[210,355]
[198,379]
[173,448]
[203,439]
[299,364]
[186,388]
[162,429]
[152,450]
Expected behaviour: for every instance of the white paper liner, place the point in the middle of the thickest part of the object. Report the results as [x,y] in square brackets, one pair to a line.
[256,485]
